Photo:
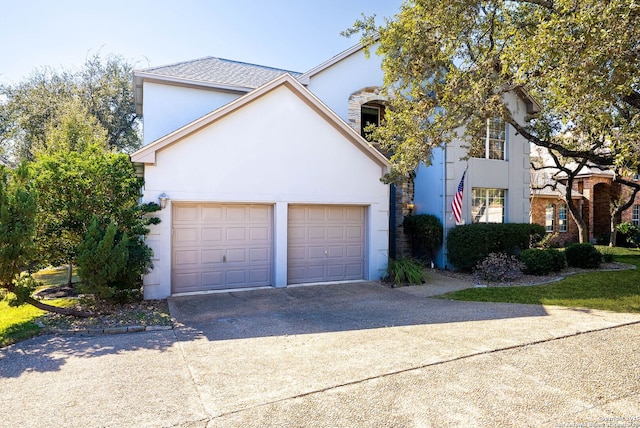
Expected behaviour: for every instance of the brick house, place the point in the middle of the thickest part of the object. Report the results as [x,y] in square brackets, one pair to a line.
[593,192]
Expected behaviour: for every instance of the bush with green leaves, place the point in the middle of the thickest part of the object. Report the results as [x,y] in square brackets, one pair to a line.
[425,231]
[536,261]
[542,261]
[467,245]
[498,267]
[628,235]
[584,256]
[101,258]
[559,259]
[405,270]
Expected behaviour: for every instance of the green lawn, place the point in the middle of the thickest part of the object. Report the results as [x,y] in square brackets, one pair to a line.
[18,323]
[613,291]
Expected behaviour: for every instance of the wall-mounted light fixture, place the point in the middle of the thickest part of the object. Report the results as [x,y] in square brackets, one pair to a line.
[410,206]
[163,198]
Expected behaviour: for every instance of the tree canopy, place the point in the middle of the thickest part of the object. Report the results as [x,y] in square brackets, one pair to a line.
[449,63]
[104,87]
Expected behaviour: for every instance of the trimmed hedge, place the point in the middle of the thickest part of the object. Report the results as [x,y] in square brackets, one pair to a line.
[469,244]
[584,256]
[542,261]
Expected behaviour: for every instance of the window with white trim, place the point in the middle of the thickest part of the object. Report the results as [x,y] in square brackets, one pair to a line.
[493,141]
[562,218]
[549,217]
[635,215]
[488,205]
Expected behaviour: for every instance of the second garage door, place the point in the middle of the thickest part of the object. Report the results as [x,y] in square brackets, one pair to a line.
[325,243]
[218,246]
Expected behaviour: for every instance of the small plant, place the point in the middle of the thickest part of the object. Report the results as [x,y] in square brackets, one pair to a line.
[584,256]
[536,262]
[403,271]
[498,267]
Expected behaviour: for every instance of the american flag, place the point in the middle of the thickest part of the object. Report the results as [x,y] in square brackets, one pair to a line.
[456,204]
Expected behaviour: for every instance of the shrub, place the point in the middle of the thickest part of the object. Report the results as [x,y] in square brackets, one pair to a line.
[101,258]
[467,245]
[628,235]
[405,271]
[425,231]
[498,267]
[583,256]
[559,259]
[536,262]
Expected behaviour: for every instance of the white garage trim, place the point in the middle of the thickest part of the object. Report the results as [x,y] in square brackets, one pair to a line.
[221,246]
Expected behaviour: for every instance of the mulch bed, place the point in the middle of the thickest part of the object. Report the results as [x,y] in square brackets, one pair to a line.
[106,314]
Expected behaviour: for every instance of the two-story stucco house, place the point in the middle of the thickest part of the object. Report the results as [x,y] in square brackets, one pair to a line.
[266,179]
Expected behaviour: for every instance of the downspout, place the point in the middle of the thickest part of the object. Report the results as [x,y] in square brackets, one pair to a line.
[444,208]
[392,221]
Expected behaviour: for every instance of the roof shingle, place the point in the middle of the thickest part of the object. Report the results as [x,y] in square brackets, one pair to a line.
[219,71]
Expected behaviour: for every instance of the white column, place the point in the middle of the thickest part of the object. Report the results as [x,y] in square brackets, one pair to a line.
[280,219]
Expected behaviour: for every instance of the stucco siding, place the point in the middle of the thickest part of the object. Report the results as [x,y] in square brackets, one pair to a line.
[275,150]
[168,107]
[335,84]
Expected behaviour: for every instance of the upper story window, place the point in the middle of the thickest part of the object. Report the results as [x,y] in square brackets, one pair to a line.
[562,218]
[370,114]
[493,141]
[635,215]
[549,217]
[488,205]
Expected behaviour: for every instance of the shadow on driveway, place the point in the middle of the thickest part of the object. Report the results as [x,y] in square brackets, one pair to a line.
[325,308]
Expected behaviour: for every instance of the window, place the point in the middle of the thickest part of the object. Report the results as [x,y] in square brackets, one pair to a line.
[549,217]
[635,215]
[369,115]
[562,218]
[487,205]
[491,144]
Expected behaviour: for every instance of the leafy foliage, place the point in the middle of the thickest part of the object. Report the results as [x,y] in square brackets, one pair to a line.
[583,255]
[403,271]
[101,258]
[469,244]
[103,87]
[498,267]
[629,235]
[425,231]
[74,186]
[542,261]
[17,224]
[453,62]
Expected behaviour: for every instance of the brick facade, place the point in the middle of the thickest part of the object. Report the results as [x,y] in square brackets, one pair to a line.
[597,192]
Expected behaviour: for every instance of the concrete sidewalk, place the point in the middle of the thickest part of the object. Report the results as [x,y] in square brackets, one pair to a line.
[355,354]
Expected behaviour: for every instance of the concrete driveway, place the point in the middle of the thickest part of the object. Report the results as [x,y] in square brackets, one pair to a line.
[346,355]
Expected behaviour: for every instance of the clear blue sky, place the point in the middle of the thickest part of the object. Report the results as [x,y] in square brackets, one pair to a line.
[291,34]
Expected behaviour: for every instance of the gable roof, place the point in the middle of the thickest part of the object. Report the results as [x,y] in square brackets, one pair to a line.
[305,77]
[211,72]
[147,154]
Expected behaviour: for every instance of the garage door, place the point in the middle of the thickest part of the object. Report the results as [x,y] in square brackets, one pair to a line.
[326,243]
[219,246]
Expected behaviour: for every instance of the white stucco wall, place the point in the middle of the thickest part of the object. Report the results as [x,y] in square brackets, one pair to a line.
[275,150]
[335,84]
[168,107]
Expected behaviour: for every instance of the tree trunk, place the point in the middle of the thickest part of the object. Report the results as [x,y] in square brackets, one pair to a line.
[70,275]
[55,309]
[49,308]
